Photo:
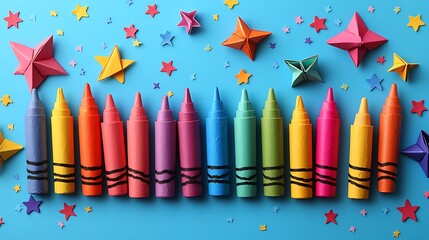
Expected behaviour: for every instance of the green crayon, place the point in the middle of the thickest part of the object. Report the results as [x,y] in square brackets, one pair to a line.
[272,147]
[245,147]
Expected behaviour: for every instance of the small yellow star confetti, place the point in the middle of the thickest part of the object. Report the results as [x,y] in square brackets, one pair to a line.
[397,10]
[136,43]
[231,3]
[17,188]
[10,126]
[5,100]
[345,86]
[208,48]
[170,93]
[263,227]
[215,16]
[80,11]
[396,233]
[60,32]
[88,209]
[243,77]
[53,13]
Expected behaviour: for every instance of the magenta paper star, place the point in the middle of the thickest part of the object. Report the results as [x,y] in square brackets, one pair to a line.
[188,20]
[357,39]
[38,63]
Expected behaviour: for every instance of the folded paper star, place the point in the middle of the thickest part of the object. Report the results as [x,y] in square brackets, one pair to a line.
[188,20]
[396,233]
[420,151]
[357,39]
[68,211]
[418,107]
[8,148]
[401,67]
[408,211]
[113,65]
[80,12]
[13,19]
[245,39]
[415,22]
[304,70]
[38,63]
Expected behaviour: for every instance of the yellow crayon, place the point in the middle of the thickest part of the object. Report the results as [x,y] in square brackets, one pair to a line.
[301,153]
[62,146]
[360,153]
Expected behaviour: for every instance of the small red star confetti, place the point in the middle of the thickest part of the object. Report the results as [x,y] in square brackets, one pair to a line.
[418,107]
[130,31]
[426,194]
[68,211]
[299,20]
[381,60]
[318,24]
[13,19]
[151,10]
[352,229]
[168,67]
[1,221]
[408,211]
[330,217]
[363,212]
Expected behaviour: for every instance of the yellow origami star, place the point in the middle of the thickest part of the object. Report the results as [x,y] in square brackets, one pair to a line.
[396,233]
[53,13]
[60,32]
[243,77]
[80,11]
[401,67]
[216,17]
[231,3]
[88,209]
[8,148]
[113,65]
[10,126]
[136,43]
[170,93]
[415,22]
[17,188]
[5,100]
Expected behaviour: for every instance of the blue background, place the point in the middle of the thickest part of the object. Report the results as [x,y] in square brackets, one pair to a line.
[205,217]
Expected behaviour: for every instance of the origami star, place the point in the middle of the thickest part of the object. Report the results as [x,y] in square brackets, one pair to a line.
[357,39]
[330,217]
[170,94]
[275,65]
[385,210]
[104,45]
[371,9]
[304,70]
[188,20]
[352,229]
[231,3]
[80,12]
[418,107]
[286,29]
[230,220]
[276,209]
[194,76]
[319,23]
[68,211]
[243,77]
[156,85]
[60,32]
[245,39]
[33,17]
[1,221]
[131,31]
[426,194]
[298,20]
[113,65]
[151,10]
[208,48]
[38,63]
[408,211]
[397,10]
[130,2]
[32,205]
[415,22]
[166,38]
[79,48]
[420,151]
[168,67]
[108,20]
[401,67]
[17,188]
[226,64]
[375,82]
[8,148]
[18,208]
[396,233]
[72,63]
[5,100]
[381,60]
[273,45]
[13,19]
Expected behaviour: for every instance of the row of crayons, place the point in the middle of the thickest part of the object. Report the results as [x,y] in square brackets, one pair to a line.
[126,166]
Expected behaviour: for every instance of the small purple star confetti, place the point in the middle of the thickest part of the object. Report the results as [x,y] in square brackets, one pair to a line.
[32,205]
[273,45]
[156,85]
[308,40]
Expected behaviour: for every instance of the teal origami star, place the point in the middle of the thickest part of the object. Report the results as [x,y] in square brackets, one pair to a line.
[304,70]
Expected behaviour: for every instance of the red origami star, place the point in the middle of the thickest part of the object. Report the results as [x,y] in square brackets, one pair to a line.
[418,107]
[168,67]
[319,23]
[330,217]
[68,211]
[13,19]
[131,31]
[151,10]
[408,211]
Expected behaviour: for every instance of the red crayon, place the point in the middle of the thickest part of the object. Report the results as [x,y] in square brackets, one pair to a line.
[115,160]
[138,150]
[189,148]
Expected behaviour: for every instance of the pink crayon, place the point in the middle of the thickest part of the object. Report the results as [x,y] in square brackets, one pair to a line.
[189,148]
[138,150]
[165,152]
[115,161]
[328,131]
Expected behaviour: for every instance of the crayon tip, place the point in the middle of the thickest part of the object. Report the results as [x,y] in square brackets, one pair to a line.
[60,95]
[393,91]
[34,95]
[271,95]
[216,95]
[244,96]
[87,91]
[330,95]
[299,104]
[363,108]
[187,98]
[138,100]
[109,102]
[164,105]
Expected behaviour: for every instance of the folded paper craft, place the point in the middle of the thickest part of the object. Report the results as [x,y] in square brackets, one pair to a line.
[419,151]
[188,20]
[7,148]
[401,67]
[113,65]
[304,70]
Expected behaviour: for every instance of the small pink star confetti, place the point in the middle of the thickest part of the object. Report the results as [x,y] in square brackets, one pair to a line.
[381,60]
[426,194]
[79,48]
[363,212]
[286,29]
[60,224]
[72,63]
[298,20]
[371,9]
[352,229]
[1,221]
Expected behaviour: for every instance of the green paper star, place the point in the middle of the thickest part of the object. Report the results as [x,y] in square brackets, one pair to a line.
[304,70]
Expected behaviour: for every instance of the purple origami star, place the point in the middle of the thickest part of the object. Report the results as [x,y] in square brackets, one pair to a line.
[32,205]
[419,151]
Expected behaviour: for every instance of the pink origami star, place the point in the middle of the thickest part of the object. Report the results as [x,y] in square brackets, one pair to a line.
[357,39]
[38,63]
[188,20]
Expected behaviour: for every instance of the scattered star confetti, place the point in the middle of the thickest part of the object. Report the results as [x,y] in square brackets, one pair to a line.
[17,188]
[13,19]
[104,45]
[1,221]
[80,12]
[276,209]
[88,209]
[33,17]
[194,76]
[108,20]
[352,229]
[385,210]
[408,211]
[231,3]
[16,177]
[166,38]
[170,94]
[318,23]
[208,48]
[418,107]
[397,9]
[308,41]
[263,227]
[344,86]
[60,224]
[226,64]
[298,20]
[168,67]
[330,217]
[82,72]
[273,45]
[5,100]
[11,127]
[371,9]
[152,10]
[136,43]
[415,22]
[216,17]
[53,13]
[286,29]
[72,63]
[156,85]
[375,82]
[396,233]
[328,9]
[337,22]
[275,65]
[18,208]
[68,211]
[130,31]
[243,77]
[381,60]
[426,194]
[230,220]
[79,48]
[32,205]
[60,32]
[130,2]
[363,212]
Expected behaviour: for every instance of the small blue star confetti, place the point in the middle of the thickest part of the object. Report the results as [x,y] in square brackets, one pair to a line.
[130,2]
[276,209]
[166,38]
[156,85]
[328,9]
[16,176]
[385,210]
[230,220]
[275,65]
[194,76]
[375,82]
[33,17]
[82,72]
[18,208]
[273,45]
[104,45]
[226,64]
[108,20]
[337,22]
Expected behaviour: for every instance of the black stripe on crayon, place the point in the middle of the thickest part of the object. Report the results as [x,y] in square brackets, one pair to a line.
[37,163]
[387,177]
[246,178]
[91,178]
[37,178]
[64,165]
[116,170]
[117,184]
[273,168]
[387,172]
[64,175]
[359,168]
[116,178]
[245,168]
[64,180]
[324,176]
[301,179]
[273,178]
[166,171]
[245,183]
[217,167]
[358,185]
[359,179]
[326,182]
[138,178]
[190,169]
[190,177]
[138,172]
[301,184]
[273,184]
[92,168]
[45,170]
[326,167]
[218,176]
[387,164]
[165,180]
[91,183]
[218,181]
[191,182]
[301,169]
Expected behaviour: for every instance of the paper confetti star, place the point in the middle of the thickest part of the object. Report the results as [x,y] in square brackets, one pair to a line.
[60,32]
[415,22]
[16,176]
[188,21]
[263,227]
[194,76]
[104,45]
[328,9]
[308,41]
[8,148]
[304,70]
[80,12]
[130,2]
[79,48]
[226,64]
[33,17]
[113,65]
[420,151]
[396,233]
[231,3]
[166,38]
[298,20]
[17,188]
[53,13]
[10,126]
[337,21]
[13,19]
[397,9]
[130,31]
[216,17]
[1,221]
[18,208]
[371,9]
[344,86]
[408,211]
[286,29]
[385,210]
[375,82]
[208,48]
[418,107]
[32,205]
[273,45]
[156,85]
[5,100]
[108,20]
[230,220]
[352,229]
[357,39]
[136,43]
[68,211]
[170,94]
[276,209]
[401,67]
[330,217]
[243,77]
[60,224]
[152,10]
[426,194]
[82,72]
[275,65]
[381,60]
[168,67]
[363,212]
[72,63]
[88,209]
[245,39]
[318,23]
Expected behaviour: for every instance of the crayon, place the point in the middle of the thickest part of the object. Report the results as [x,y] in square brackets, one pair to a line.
[36,146]
[138,150]
[245,147]
[189,148]
[91,161]
[272,147]
[62,146]
[115,161]
[301,152]
[327,139]
[217,148]
[360,153]
[165,151]
[388,142]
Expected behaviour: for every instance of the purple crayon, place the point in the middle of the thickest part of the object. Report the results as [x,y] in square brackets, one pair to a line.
[189,148]
[165,152]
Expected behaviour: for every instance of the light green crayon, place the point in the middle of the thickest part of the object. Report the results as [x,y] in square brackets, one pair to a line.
[272,147]
[245,147]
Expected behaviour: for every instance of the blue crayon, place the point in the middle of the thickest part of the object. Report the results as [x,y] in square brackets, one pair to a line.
[36,147]
[217,148]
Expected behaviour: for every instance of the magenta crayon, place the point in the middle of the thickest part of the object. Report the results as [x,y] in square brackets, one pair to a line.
[327,139]
[115,161]
[165,152]
[189,148]
[138,150]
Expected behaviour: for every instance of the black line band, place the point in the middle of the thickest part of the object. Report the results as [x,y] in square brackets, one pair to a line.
[217,167]
[326,182]
[326,177]
[165,180]
[302,184]
[301,179]
[326,167]
[138,172]
[37,163]
[246,178]
[117,184]
[245,168]
[359,168]
[359,179]
[63,165]
[358,185]
[301,169]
